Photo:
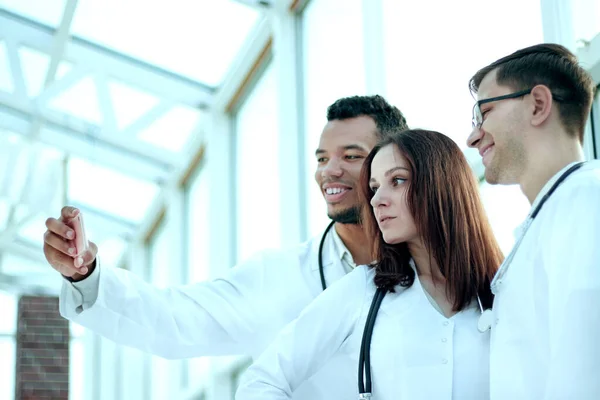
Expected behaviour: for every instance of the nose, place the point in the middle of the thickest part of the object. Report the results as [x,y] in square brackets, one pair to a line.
[379,199]
[475,137]
[333,168]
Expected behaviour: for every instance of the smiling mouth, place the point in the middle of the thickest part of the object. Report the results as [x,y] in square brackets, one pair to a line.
[334,191]
[487,150]
[385,219]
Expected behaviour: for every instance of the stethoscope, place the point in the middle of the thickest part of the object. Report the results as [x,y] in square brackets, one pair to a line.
[485,320]
[321,273]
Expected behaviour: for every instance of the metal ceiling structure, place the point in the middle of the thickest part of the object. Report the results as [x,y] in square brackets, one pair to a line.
[82,123]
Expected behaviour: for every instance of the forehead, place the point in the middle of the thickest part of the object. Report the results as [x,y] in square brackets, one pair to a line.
[342,132]
[489,87]
[387,158]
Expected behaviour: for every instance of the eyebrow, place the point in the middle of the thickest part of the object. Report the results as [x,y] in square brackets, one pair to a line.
[349,147]
[390,171]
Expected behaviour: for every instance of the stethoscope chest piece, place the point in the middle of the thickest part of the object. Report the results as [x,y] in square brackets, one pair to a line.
[485,321]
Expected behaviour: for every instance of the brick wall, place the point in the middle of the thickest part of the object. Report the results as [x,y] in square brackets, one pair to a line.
[42,350]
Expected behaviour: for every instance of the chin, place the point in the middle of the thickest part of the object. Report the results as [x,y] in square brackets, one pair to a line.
[392,239]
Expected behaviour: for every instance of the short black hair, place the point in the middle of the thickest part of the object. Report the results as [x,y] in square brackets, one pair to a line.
[553,66]
[387,118]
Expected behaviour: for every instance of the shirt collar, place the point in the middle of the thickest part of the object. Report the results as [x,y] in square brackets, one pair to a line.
[341,250]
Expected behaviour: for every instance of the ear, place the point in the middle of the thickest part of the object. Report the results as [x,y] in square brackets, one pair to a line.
[542,104]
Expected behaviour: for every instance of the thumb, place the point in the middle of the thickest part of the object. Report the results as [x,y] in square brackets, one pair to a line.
[87,257]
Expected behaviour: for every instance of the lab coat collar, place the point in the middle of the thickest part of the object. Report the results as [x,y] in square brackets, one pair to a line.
[548,185]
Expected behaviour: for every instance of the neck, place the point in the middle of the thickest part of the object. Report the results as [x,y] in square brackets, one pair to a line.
[354,238]
[549,157]
[424,261]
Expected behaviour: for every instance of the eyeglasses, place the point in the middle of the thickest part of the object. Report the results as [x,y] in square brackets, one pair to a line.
[478,116]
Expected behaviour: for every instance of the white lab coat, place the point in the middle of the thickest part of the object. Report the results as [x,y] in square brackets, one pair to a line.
[416,352]
[238,314]
[545,340]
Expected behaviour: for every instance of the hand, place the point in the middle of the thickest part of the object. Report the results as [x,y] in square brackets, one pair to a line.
[59,247]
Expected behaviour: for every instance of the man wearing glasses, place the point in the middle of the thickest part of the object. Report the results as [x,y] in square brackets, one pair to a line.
[528,126]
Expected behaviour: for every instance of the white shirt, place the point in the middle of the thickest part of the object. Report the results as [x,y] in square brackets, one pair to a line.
[416,352]
[545,341]
[240,313]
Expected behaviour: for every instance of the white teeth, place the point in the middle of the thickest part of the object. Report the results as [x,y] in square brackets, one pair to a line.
[334,190]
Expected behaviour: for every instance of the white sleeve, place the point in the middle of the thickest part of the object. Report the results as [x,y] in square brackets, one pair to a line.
[307,343]
[571,243]
[82,295]
[224,316]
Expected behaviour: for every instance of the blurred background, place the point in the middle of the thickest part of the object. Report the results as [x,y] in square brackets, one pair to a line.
[185,132]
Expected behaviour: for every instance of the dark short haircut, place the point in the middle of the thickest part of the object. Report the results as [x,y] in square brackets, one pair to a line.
[553,66]
[387,117]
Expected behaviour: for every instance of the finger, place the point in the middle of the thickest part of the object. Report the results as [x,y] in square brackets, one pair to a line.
[87,257]
[64,246]
[60,228]
[68,213]
[60,262]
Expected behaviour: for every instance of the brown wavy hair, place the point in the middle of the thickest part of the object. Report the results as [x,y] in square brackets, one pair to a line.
[443,198]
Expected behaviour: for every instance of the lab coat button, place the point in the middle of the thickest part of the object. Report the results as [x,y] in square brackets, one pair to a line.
[497,321]
[446,323]
[444,340]
[444,361]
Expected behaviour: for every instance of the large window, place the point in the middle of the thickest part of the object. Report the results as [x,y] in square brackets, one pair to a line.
[430,57]
[585,17]
[333,67]
[429,61]
[257,168]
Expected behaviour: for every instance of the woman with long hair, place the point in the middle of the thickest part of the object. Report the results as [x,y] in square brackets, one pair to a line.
[409,321]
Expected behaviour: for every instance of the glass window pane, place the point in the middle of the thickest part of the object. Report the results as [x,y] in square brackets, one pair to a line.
[179,36]
[112,251]
[4,211]
[48,12]
[109,190]
[506,207]
[79,100]
[6,81]
[8,351]
[35,67]
[129,103]
[257,160]
[33,230]
[173,129]
[160,257]
[8,305]
[430,57]
[334,67]
[198,235]
[585,16]
[13,264]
